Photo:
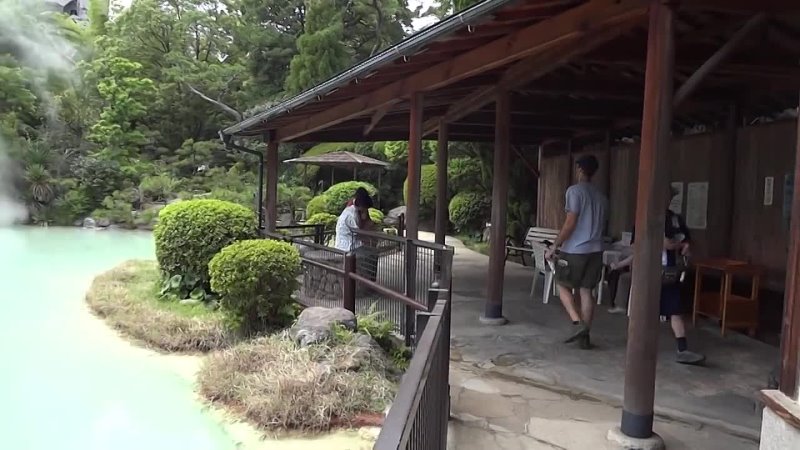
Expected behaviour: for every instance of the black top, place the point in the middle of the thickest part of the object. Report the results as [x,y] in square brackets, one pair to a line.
[674,228]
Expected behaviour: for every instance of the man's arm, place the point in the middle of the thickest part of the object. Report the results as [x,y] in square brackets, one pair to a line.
[566,230]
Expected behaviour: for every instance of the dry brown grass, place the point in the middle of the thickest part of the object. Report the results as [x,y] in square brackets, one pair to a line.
[279,385]
[127,298]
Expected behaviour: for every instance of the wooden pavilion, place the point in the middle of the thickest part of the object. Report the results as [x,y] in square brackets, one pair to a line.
[566,76]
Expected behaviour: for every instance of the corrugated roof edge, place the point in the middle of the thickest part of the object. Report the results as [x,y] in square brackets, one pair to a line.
[411,43]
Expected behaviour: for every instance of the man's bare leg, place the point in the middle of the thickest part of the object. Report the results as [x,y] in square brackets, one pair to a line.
[678,326]
[587,306]
[567,299]
[579,328]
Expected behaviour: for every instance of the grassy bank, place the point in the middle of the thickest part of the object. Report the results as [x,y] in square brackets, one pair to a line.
[127,298]
[279,385]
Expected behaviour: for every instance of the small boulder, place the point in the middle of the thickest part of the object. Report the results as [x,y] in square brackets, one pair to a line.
[89,223]
[364,350]
[190,302]
[393,216]
[103,223]
[315,324]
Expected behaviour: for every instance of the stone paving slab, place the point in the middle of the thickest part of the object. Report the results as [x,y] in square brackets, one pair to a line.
[491,412]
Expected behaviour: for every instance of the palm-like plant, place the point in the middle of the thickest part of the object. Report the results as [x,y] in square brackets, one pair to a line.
[40,184]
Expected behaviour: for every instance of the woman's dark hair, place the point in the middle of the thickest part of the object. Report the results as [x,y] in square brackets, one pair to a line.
[362,198]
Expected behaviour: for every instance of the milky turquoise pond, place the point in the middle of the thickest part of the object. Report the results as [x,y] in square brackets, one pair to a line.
[66,381]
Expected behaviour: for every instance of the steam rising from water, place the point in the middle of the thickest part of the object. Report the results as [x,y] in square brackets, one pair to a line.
[10,210]
[28,35]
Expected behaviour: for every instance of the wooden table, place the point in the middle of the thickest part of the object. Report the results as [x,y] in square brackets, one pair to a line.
[732,310]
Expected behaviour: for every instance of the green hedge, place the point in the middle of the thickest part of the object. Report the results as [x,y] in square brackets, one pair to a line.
[189,233]
[469,211]
[255,280]
[329,220]
[337,195]
[317,205]
[376,215]
[427,192]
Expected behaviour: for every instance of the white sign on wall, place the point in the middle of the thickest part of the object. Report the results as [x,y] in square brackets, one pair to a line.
[697,205]
[769,189]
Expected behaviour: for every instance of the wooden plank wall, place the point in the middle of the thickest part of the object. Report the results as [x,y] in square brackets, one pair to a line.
[760,232]
[746,229]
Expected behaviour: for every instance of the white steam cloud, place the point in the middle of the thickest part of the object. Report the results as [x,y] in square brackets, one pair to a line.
[28,35]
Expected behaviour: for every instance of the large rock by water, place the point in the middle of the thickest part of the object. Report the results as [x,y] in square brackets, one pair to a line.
[315,324]
[89,223]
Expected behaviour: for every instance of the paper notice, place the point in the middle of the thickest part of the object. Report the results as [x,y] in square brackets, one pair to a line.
[697,205]
[676,204]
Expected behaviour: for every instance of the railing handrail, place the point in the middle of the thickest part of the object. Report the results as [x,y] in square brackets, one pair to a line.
[396,296]
[401,239]
[409,394]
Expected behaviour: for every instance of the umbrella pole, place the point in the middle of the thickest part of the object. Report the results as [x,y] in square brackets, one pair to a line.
[380,171]
[332,169]
[355,173]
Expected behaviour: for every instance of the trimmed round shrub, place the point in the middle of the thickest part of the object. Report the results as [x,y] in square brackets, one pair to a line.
[427,190]
[376,215]
[469,211]
[189,233]
[338,195]
[255,280]
[329,220]
[316,205]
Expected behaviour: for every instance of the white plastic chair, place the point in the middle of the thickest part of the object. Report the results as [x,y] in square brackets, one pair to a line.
[544,268]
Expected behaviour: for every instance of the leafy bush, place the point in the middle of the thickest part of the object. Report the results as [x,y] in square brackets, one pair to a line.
[465,174]
[292,198]
[118,208]
[255,280]
[338,195]
[246,199]
[189,233]
[397,151]
[98,177]
[72,206]
[375,325]
[329,220]
[427,191]
[469,211]
[317,205]
[158,188]
[376,215]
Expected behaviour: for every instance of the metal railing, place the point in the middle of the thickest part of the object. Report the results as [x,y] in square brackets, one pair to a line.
[409,282]
[418,418]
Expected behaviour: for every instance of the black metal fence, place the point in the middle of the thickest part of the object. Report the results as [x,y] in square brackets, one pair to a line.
[409,282]
[418,418]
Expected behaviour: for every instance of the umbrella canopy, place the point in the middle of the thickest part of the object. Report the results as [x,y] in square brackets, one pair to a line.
[344,160]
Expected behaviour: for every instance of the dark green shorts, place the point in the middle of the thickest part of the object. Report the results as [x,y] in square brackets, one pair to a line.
[579,270]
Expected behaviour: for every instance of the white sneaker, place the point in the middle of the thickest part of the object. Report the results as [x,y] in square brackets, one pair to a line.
[618,310]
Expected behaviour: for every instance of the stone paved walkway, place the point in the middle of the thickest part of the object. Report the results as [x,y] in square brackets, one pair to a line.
[499,413]
[723,394]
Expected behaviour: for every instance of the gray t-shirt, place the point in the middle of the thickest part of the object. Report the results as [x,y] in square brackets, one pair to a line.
[591,206]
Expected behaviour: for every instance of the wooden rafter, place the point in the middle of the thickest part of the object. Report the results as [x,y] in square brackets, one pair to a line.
[711,64]
[376,118]
[578,21]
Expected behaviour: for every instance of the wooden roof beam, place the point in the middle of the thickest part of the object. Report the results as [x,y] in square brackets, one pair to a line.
[577,21]
[743,6]
[529,69]
[712,63]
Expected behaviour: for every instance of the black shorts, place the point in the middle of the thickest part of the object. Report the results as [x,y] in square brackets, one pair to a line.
[671,303]
[577,271]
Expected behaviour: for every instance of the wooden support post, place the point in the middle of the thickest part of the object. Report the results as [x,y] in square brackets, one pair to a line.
[442,216]
[539,186]
[642,349]
[272,187]
[493,315]
[414,166]
[790,335]
[731,142]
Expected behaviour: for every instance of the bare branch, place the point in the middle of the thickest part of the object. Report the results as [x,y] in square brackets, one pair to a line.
[233,112]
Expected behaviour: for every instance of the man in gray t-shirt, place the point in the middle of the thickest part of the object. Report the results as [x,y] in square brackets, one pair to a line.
[579,264]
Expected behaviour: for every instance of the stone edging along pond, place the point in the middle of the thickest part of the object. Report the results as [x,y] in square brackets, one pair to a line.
[272,381]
